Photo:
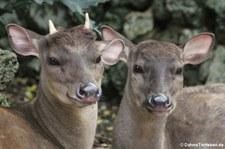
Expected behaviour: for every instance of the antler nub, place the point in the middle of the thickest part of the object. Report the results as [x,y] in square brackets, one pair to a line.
[51,27]
[87,21]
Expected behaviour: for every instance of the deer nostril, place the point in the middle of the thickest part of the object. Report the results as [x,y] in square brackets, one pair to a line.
[80,93]
[89,90]
[168,103]
[160,100]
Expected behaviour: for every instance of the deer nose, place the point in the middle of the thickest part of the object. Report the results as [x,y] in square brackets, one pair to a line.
[160,100]
[89,90]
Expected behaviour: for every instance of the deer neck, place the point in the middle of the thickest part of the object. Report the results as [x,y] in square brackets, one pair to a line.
[68,126]
[149,128]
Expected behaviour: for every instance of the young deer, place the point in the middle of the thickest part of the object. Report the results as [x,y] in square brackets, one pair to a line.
[154,77]
[64,113]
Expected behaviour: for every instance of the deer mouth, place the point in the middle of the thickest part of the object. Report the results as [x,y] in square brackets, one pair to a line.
[85,100]
[89,100]
[159,110]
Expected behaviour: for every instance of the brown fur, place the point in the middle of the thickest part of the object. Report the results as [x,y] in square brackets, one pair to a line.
[200,116]
[75,37]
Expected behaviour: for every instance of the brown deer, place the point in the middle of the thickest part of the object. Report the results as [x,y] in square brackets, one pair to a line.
[199,119]
[154,77]
[64,113]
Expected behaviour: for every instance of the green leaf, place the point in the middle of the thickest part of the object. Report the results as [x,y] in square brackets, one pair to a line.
[21,4]
[50,2]
[79,5]
[28,96]
[39,1]
[6,9]
[73,6]
[87,3]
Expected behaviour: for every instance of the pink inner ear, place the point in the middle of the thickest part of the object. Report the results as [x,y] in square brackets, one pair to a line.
[20,41]
[111,54]
[17,37]
[197,49]
[15,31]
[203,42]
[108,34]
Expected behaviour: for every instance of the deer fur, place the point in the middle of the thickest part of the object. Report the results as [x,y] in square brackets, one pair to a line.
[199,117]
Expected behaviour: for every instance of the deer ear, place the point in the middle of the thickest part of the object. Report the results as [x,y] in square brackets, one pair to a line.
[23,41]
[197,49]
[110,34]
[111,50]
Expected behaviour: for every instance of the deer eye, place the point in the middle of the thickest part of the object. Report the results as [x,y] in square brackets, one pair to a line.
[98,60]
[53,61]
[178,71]
[137,69]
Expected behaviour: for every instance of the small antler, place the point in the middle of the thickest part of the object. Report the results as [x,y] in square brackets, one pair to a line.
[51,27]
[87,22]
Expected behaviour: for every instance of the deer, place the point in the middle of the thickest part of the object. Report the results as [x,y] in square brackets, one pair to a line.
[154,80]
[198,120]
[64,113]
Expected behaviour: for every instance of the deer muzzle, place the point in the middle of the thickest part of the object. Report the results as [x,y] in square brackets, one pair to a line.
[159,103]
[89,93]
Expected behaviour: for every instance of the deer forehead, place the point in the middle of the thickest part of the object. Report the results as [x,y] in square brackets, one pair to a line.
[77,39]
[155,50]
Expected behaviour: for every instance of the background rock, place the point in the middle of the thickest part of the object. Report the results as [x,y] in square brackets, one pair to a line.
[8,67]
[138,24]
